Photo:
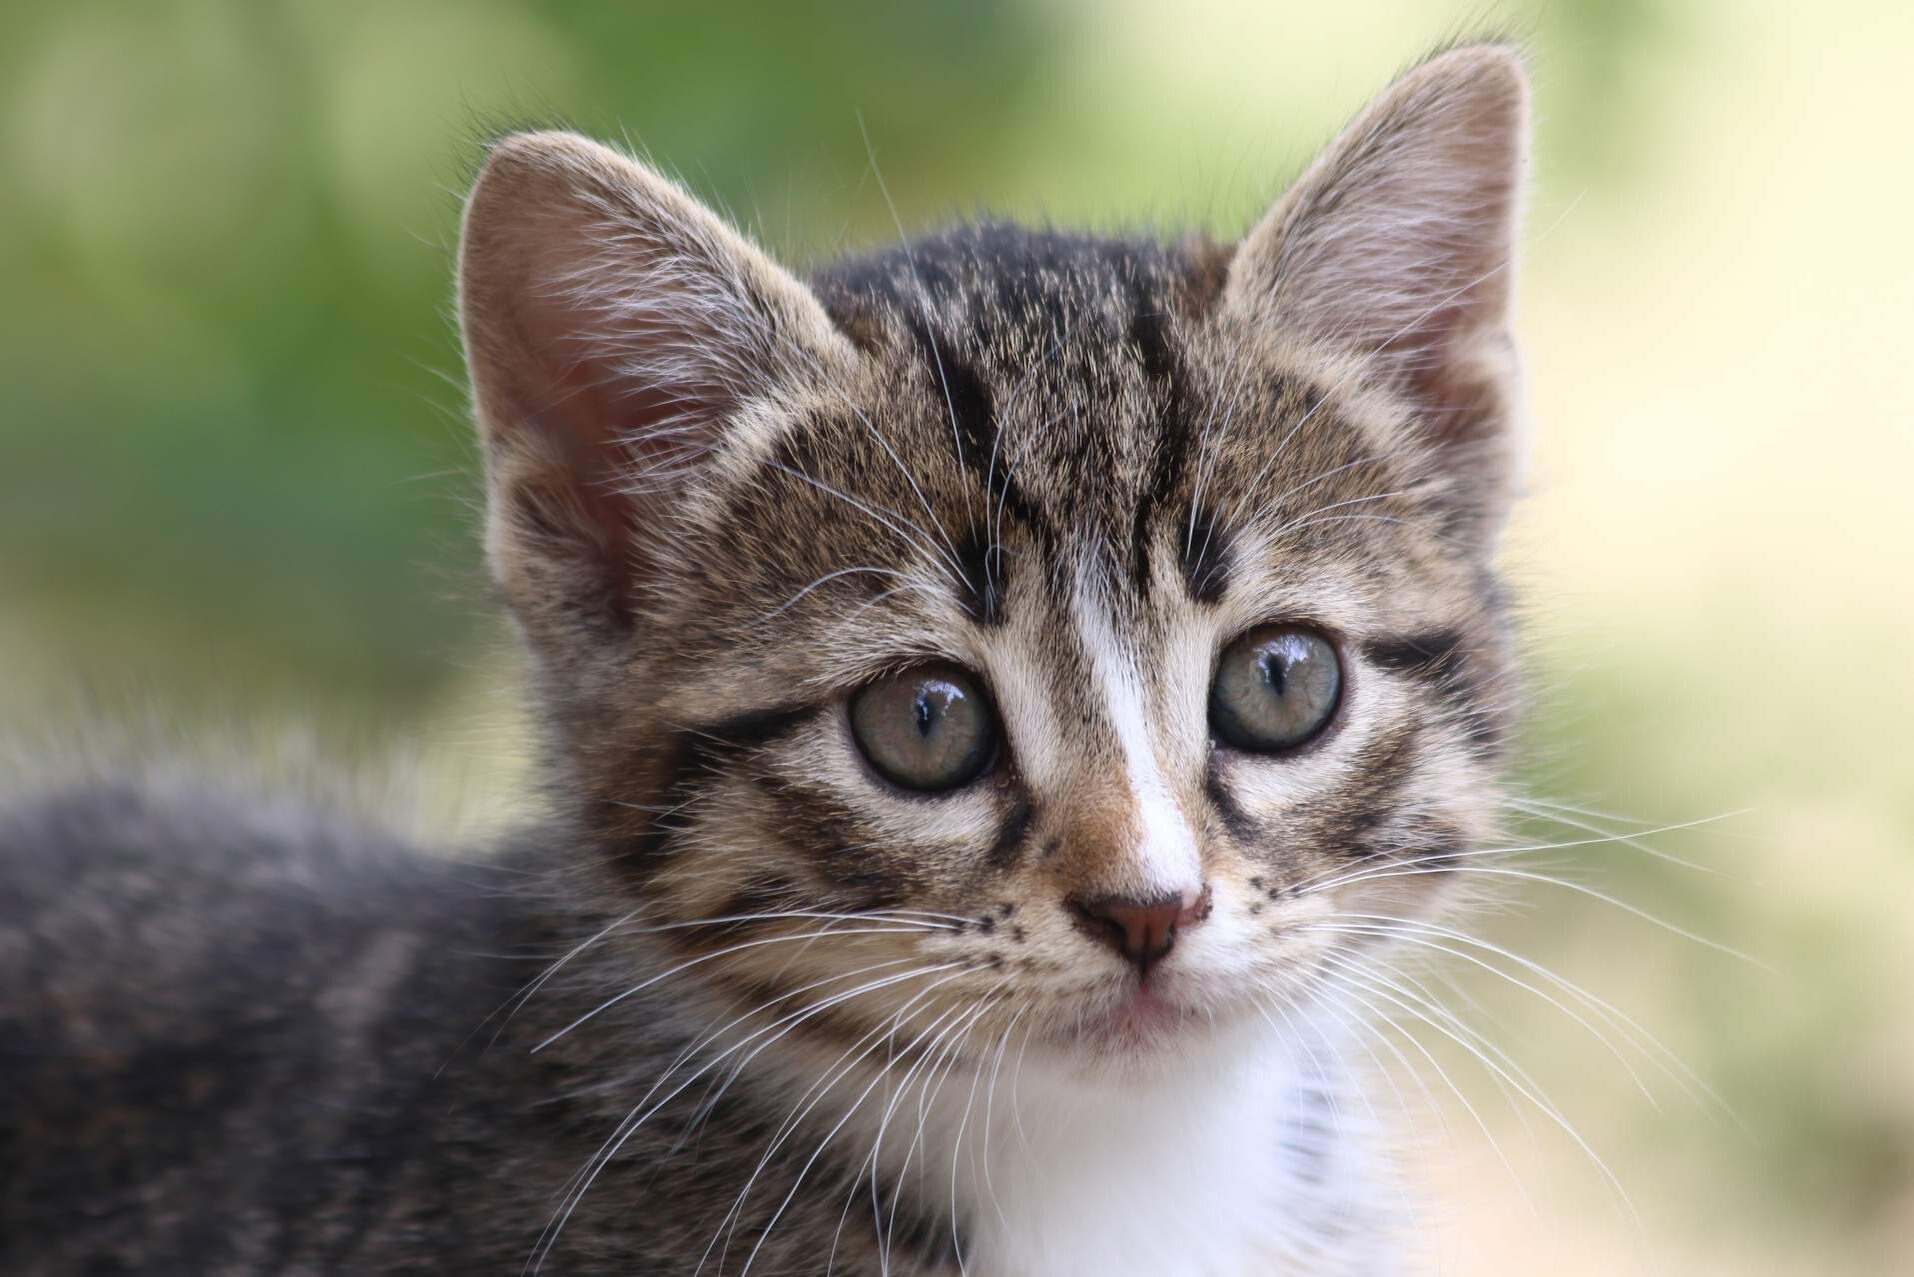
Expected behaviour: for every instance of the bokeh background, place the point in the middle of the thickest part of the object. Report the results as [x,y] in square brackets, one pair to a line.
[236,480]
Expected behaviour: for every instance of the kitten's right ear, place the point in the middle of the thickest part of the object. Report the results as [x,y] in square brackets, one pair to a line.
[1397,245]
[613,329]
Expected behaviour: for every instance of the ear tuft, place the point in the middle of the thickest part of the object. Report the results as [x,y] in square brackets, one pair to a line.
[1397,245]
[613,327]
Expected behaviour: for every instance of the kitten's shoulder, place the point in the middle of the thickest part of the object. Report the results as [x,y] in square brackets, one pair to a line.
[133,845]
[176,961]
[135,907]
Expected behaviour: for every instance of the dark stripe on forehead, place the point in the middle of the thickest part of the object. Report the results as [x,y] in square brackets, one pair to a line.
[964,403]
[1149,336]
[965,399]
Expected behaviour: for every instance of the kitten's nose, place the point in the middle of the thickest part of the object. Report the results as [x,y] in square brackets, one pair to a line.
[1142,930]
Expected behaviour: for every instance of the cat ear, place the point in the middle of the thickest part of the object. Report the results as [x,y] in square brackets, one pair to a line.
[614,327]
[1396,245]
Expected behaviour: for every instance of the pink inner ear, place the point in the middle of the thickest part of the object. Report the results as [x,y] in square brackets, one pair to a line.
[1458,393]
[611,325]
[581,428]
[604,438]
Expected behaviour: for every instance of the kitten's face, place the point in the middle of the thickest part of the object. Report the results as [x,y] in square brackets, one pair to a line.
[1015,628]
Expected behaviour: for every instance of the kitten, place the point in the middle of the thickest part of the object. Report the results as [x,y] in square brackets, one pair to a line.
[990,690]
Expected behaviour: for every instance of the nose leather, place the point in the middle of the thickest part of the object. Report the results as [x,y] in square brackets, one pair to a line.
[1142,930]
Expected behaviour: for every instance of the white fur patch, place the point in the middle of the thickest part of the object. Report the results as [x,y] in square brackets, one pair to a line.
[1223,1163]
[1166,851]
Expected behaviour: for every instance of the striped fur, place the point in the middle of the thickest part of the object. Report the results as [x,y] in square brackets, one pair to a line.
[723,498]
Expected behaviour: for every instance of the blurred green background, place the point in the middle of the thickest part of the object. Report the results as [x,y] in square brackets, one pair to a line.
[236,482]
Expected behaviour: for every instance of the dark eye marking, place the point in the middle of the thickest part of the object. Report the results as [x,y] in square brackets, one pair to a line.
[1433,654]
[1206,551]
[1008,846]
[750,729]
[698,755]
[1440,659]
[1239,822]
[980,563]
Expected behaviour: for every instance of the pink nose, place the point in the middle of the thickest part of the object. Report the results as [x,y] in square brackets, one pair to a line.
[1141,930]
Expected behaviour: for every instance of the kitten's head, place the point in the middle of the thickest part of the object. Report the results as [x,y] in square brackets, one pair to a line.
[1050,629]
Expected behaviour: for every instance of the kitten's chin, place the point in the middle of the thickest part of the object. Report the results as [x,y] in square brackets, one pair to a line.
[1148,1029]
[1145,1020]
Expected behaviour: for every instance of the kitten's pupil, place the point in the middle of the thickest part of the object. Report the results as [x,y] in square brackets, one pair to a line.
[1275,670]
[926,713]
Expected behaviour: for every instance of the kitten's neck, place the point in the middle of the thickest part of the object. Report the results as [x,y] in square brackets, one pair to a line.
[1232,1160]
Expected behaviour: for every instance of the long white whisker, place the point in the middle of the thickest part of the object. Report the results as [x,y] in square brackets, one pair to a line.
[640,1113]
[701,959]
[1345,990]
[822,1089]
[1554,813]
[890,519]
[1430,1013]
[1438,947]
[1632,1031]
[1322,884]
[1580,889]
[923,298]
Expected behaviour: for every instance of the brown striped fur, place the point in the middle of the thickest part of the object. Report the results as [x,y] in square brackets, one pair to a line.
[722,499]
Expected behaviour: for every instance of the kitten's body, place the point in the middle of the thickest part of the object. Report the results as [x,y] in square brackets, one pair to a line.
[751,1000]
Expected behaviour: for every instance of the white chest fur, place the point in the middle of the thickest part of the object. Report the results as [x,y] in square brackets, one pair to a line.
[1230,1164]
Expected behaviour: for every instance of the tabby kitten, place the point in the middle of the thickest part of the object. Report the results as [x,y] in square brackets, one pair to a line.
[976,682]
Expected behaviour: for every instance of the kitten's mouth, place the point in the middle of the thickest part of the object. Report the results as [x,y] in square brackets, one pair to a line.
[1143,1018]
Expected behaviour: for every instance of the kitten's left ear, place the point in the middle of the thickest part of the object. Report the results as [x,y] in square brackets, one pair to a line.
[1397,246]
[617,333]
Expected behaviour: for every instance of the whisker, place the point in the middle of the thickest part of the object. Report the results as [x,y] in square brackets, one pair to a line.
[826,579]
[1581,889]
[1632,1031]
[1314,516]
[1319,884]
[948,1051]
[1462,955]
[640,1113]
[884,516]
[822,1089]
[917,278]
[876,434]
[1554,812]
[666,974]
[1344,991]
[1433,1014]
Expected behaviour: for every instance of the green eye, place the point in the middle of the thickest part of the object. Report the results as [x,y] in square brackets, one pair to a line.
[1276,687]
[927,729]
